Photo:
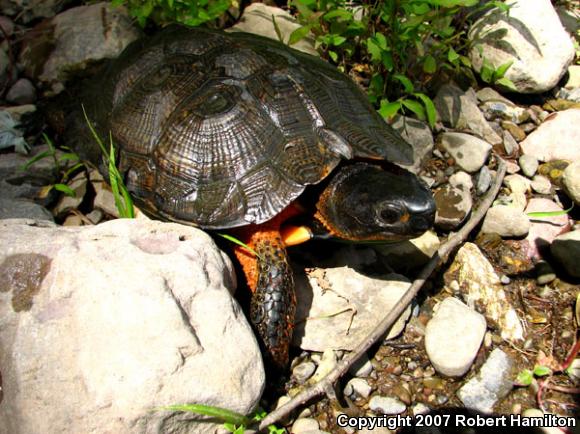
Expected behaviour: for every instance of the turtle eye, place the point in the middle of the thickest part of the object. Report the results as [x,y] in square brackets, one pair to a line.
[389,214]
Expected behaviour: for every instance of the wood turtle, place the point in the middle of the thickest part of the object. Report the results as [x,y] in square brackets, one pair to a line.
[227,130]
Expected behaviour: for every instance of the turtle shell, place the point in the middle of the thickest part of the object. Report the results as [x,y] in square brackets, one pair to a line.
[226,129]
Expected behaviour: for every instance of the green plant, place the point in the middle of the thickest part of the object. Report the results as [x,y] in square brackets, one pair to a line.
[123,200]
[61,173]
[496,76]
[526,377]
[188,12]
[235,423]
[406,43]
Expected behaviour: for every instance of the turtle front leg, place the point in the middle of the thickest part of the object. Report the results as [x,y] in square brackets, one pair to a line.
[273,303]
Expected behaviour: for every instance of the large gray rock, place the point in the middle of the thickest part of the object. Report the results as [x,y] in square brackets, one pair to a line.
[558,138]
[531,36]
[453,337]
[61,46]
[339,306]
[102,325]
[258,18]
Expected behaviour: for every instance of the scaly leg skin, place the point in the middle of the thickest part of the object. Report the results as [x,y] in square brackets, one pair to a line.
[273,303]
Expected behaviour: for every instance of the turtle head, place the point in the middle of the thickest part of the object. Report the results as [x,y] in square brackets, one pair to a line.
[366,202]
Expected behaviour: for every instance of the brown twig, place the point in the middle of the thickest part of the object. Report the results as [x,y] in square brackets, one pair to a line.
[453,241]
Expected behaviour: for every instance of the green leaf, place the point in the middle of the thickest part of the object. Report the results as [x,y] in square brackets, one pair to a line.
[68,156]
[242,244]
[298,34]
[303,9]
[343,14]
[65,189]
[389,109]
[507,83]
[452,56]
[465,60]
[550,213]
[486,71]
[387,59]
[524,378]
[374,50]
[429,64]
[542,371]
[502,69]
[333,56]
[223,414]
[415,107]
[37,157]
[381,40]
[429,108]
[453,3]
[407,84]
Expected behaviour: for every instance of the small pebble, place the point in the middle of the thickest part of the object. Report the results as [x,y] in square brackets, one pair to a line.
[305,426]
[529,165]
[303,371]
[21,92]
[544,272]
[533,412]
[461,179]
[95,216]
[541,185]
[362,367]
[359,387]
[386,405]
[483,181]
[420,408]
[510,145]
[505,280]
